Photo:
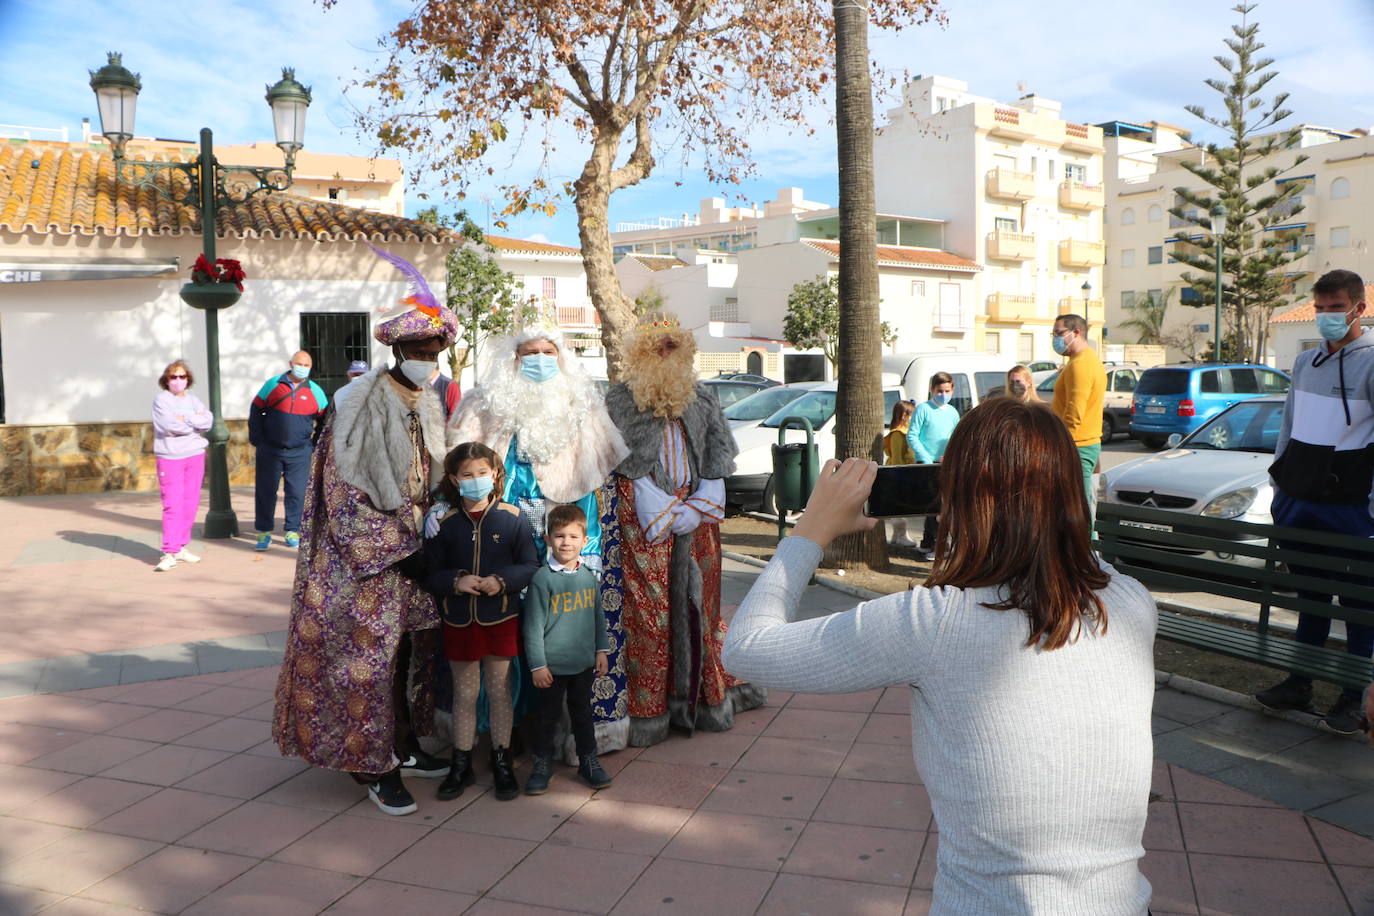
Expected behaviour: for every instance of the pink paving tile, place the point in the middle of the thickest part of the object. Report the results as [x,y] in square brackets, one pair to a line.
[25,743]
[83,803]
[20,785]
[353,845]
[263,712]
[19,838]
[23,901]
[1171,882]
[1274,833]
[257,678]
[166,764]
[794,756]
[895,700]
[879,762]
[930,857]
[864,701]
[745,840]
[816,725]
[664,784]
[688,887]
[919,902]
[373,897]
[794,894]
[754,721]
[489,907]
[165,693]
[54,710]
[232,734]
[522,818]
[1191,787]
[166,815]
[851,853]
[266,748]
[170,880]
[75,862]
[882,728]
[571,878]
[768,794]
[432,813]
[276,889]
[1230,885]
[163,725]
[1160,782]
[900,806]
[80,906]
[1161,827]
[615,826]
[1341,846]
[1358,884]
[703,749]
[245,775]
[255,829]
[451,860]
[318,788]
[113,692]
[93,754]
[226,701]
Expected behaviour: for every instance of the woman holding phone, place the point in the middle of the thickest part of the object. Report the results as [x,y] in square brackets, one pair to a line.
[1029,662]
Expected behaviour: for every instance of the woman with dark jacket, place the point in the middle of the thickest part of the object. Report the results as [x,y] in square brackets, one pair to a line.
[480,560]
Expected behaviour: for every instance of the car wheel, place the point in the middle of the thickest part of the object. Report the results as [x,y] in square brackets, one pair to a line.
[1153,442]
[1108,427]
[1219,436]
[768,505]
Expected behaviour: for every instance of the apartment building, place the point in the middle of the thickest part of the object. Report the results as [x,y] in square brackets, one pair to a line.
[1145,166]
[1017,188]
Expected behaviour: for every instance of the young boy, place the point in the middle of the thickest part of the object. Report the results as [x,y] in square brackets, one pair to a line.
[566,645]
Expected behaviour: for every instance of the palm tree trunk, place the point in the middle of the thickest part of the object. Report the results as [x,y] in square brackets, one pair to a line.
[859,404]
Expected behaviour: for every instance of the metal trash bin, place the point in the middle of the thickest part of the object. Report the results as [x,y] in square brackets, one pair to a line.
[796,466]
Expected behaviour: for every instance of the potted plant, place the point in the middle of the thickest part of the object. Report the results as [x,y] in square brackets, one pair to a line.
[213,286]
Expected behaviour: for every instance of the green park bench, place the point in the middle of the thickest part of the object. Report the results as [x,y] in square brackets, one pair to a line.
[1170,549]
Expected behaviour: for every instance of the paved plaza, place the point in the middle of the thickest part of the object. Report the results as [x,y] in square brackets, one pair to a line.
[136,775]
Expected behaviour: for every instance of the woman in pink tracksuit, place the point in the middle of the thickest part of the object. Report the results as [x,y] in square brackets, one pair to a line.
[179,419]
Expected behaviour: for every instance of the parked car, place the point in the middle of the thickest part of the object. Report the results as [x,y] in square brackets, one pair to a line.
[731,390]
[975,375]
[1221,470]
[761,405]
[1116,400]
[745,377]
[751,486]
[1181,397]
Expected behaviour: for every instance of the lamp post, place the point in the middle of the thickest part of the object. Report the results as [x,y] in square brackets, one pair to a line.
[1087,291]
[1218,215]
[208,188]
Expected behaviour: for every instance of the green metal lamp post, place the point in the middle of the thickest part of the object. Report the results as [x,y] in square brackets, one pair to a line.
[209,188]
[1218,215]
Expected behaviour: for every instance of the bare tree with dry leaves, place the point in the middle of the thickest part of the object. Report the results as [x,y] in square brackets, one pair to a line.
[627,79]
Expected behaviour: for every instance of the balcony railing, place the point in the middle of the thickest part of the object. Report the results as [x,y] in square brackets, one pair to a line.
[1092,309]
[1082,137]
[1010,307]
[1011,246]
[1009,122]
[1010,184]
[1076,195]
[578,316]
[1074,253]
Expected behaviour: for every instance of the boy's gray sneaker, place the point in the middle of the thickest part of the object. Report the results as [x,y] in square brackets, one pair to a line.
[540,774]
[1345,716]
[589,771]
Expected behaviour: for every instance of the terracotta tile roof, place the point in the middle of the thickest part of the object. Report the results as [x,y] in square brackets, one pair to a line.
[658,261]
[503,243]
[903,256]
[1308,310]
[68,189]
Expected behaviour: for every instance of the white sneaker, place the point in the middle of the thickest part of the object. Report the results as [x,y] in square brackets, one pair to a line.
[166,563]
[903,540]
[185,556]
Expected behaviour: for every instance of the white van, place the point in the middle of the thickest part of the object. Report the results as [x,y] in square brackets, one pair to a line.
[974,374]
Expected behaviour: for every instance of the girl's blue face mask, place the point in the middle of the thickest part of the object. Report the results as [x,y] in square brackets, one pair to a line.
[539,367]
[475,488]
[1333,326]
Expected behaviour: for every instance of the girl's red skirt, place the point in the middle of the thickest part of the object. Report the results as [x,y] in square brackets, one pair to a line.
[474,642]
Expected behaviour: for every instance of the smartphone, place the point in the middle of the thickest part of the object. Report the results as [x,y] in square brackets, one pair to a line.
[904,489]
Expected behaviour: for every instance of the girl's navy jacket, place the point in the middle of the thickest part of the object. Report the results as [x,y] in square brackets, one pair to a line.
[500,543]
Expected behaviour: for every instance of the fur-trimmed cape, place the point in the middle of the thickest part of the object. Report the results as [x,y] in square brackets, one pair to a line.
[372,447]
[710,444]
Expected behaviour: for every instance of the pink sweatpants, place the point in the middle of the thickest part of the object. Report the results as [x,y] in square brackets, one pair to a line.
[179,479]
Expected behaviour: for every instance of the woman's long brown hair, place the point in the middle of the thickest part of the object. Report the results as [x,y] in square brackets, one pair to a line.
[1014,515]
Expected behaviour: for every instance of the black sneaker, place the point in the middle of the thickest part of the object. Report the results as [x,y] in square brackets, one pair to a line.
[424,764]
[589,771]
[389,794]
[1345,716]
[540,774]
[1290,694]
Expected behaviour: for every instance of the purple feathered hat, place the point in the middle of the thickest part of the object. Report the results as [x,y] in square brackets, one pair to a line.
[424,316]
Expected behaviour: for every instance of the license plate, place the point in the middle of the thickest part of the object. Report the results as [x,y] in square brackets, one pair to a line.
[1154,410]
[1149,525]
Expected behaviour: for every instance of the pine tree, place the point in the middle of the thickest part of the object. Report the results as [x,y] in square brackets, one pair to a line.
[1242,174]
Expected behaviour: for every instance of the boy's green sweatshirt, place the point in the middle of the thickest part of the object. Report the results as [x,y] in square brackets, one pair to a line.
[564,624]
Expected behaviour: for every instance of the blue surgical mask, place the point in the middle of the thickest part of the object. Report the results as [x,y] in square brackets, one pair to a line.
[1061,344]
[475,488]
[1332,326]
[539,367]
[300,372]
[942,398]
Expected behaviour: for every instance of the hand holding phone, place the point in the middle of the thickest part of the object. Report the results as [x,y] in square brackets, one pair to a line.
[837,501]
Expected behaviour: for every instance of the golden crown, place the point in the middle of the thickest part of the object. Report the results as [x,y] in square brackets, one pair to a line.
[660,320]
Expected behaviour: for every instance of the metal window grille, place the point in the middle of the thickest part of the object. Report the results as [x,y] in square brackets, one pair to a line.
[333,340]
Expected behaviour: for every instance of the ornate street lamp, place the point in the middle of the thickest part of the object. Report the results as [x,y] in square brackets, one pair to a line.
[209,187]
[1218,215]
[1087,292]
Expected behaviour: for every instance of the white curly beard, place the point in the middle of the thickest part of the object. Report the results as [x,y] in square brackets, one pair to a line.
[545,417]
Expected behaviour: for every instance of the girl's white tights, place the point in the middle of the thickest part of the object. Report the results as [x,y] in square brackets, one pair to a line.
[467,682]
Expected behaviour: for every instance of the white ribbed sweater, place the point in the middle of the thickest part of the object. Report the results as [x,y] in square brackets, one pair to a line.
[1037,763]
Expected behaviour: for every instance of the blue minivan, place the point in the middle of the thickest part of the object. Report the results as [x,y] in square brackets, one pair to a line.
[1181,397]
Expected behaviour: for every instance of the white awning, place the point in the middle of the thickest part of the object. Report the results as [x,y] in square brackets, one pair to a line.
[53,270]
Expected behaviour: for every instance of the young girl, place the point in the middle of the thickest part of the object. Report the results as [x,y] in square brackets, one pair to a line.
[932,423]
[896,451]
[480,560]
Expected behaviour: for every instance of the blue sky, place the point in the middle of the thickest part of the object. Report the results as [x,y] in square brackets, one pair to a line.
[206,63]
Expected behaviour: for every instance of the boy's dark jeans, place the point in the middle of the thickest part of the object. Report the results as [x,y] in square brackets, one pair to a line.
[577,688]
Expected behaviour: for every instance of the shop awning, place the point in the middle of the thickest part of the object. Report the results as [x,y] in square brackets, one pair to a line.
[54,270]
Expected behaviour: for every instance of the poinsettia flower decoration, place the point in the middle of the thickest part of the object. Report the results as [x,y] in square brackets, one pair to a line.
[224,270]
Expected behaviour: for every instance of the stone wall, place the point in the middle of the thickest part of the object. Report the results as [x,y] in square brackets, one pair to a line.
[96,457]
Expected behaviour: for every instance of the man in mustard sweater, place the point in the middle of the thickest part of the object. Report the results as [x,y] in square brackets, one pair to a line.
[1078,392]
